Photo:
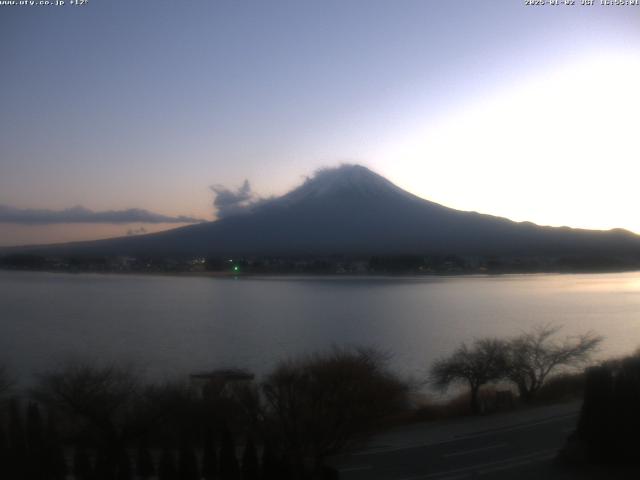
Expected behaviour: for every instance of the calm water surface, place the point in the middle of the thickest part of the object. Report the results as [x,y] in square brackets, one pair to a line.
[174,325]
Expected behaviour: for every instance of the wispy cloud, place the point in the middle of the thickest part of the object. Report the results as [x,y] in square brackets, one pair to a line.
[28,216]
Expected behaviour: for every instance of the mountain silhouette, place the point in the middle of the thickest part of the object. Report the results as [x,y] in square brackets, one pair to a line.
[351,210]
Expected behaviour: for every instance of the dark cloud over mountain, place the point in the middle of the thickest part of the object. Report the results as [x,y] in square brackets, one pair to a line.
[29,216]
[229,202]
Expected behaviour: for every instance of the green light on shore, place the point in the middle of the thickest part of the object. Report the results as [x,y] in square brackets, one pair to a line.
[236,268]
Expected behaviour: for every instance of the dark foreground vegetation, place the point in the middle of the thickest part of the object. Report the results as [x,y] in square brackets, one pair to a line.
[106,423]
[607,431]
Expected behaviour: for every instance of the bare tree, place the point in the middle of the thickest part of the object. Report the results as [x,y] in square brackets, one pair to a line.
[97,399]
[322,404]
[533,355]
[476,365]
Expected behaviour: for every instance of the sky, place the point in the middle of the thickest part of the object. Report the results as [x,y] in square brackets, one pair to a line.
[526,112]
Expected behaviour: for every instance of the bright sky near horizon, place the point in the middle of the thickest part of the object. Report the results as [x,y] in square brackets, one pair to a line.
[527,112]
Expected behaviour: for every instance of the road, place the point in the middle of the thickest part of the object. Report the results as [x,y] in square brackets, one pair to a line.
[518,445]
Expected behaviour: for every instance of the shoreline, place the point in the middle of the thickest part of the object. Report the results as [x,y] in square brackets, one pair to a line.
[327,276]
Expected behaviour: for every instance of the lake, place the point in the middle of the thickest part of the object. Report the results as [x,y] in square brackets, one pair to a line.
[175,325]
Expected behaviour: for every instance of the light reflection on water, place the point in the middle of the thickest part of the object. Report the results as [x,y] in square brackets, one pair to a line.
[174,325]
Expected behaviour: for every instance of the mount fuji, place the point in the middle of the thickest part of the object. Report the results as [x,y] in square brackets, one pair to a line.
[350,210]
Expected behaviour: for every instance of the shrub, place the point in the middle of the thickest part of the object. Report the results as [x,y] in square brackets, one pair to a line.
[322,404]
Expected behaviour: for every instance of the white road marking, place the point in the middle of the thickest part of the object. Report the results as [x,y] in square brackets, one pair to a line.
[474,450]
[464,476]
[487,467]
[356,468]
[522,426]
[517,464]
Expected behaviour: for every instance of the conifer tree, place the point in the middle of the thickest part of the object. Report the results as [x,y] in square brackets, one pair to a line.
[55,460]
[4,453]
[144,462]
[105,467]
[209,457]
[123,471]
[229,469]
[35,427]
[37,466]
[17,462]
[167,466]
[188,462]
[284,468]
[596,416]
[250,465]
[81,464]
[269,463]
